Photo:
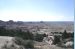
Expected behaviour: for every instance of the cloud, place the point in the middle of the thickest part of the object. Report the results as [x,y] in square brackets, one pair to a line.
[31,16]
[68,18]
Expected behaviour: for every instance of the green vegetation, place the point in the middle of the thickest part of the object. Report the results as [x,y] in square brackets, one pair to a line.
[25,43]
[21,38]
[56,40]
[19,43]
[66,35]
[63,39]
[25,35]
[26,39]
[19,33]
[39,37]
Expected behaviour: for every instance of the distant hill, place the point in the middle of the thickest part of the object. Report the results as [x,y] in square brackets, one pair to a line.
[50,25]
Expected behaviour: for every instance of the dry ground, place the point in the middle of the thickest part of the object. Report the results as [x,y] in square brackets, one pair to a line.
[38,45]
[42,45]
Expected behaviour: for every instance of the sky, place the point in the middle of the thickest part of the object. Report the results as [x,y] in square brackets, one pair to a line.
[37,10]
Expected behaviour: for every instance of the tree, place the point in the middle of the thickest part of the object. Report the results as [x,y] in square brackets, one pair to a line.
[44,35]
[56,40]
[64,35]
[38,37]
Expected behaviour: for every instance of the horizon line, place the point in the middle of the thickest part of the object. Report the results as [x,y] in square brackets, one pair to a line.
[35,21]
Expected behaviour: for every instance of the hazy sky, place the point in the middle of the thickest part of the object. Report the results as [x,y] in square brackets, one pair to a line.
[37,10]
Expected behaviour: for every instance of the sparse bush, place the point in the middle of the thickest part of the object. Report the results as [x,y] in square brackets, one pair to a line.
[19,41]
[19,33]
[29,44]
[39,37]
[56,40]
[24,43]
[64,35]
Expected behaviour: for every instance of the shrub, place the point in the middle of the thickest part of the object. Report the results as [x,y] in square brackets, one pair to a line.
[39,37]
[56,40]
[24,43]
